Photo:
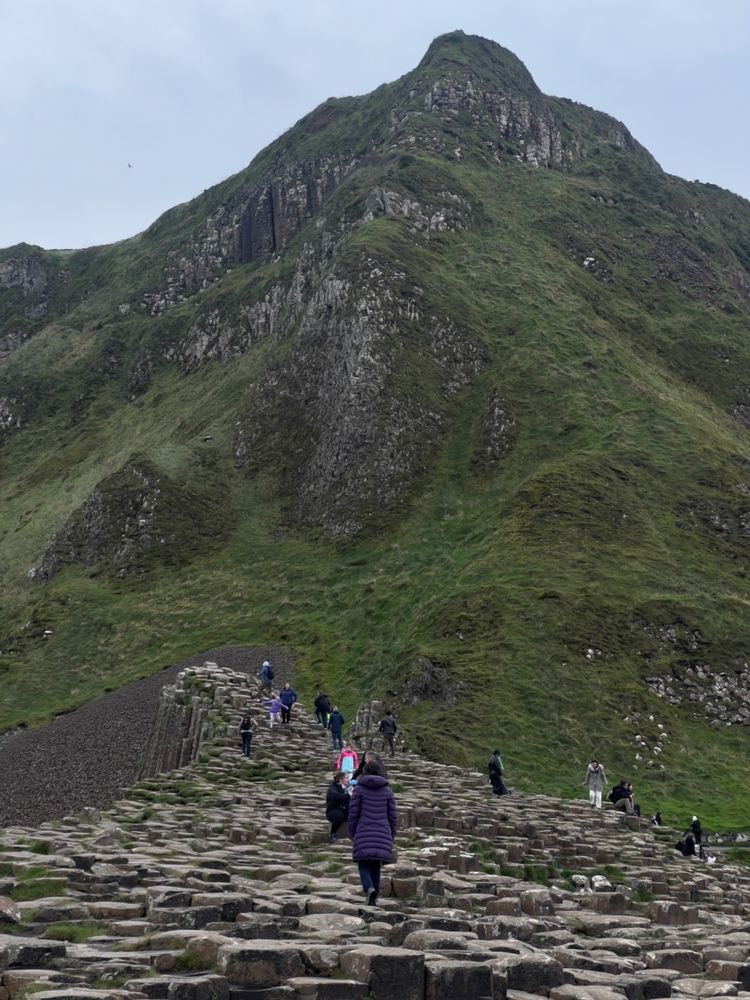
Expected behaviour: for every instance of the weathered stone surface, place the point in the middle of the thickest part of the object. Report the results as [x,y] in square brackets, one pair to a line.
[682,959]
[28,953]
[311,988]
[388,972]
[529,973]
[339,924]
[10,912]
[454,980]
[259,964]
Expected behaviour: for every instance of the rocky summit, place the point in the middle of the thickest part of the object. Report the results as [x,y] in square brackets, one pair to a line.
[216,881]
[446,396]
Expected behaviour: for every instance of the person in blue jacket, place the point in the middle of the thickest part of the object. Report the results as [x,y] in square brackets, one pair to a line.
[287,697]
[266,676]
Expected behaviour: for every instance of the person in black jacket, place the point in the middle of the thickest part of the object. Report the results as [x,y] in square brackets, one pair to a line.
[621,797]
[495,771]
[389,729]
[695,826]
[336,724]
[322,708]
[368,757]
[337,804]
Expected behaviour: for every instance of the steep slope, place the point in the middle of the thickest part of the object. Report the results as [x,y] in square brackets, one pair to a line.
[446,392]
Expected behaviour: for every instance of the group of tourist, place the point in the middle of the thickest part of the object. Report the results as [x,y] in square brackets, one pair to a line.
[359,796]
[331,719]
[622,796]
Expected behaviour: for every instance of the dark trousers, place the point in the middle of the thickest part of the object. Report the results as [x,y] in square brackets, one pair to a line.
[247,744]
[322,718]
[369,875]
[336,739]
[389,742]
[285,710]
[498,785]
[337,818]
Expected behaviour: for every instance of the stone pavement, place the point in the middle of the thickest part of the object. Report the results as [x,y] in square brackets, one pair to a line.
[216,880]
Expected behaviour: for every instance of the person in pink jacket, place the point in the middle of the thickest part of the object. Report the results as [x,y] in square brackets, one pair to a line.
[347,761]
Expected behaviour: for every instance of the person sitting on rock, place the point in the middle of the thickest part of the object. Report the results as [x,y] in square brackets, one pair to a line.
[322,708]
[274,710]
[337,804]
[595,781]
[247,726]
[686,846]
[656,819]
[372,827]
[348,760]
[621,797]
[495,770]
[336,724]
[287,697]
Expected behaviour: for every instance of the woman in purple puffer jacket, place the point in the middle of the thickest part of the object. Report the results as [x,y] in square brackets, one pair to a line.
[372,827]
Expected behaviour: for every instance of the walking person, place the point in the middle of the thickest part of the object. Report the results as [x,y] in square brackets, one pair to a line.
[274,710]
[247,727]
[322,708]
[335,724]
[348,760]
[595,781]
[389,729]
[287,697]
[337,804]
[266,676]
[495,770]
[372,827]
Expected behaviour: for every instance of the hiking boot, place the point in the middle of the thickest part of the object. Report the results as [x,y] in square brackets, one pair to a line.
[372,897]
[332,839]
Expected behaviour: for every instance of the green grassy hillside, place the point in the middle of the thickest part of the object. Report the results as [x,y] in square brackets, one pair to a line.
[457,378]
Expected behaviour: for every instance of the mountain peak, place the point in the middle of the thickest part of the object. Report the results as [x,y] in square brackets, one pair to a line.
[486,60]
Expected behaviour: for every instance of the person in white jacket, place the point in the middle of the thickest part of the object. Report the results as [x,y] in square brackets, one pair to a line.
[595,781]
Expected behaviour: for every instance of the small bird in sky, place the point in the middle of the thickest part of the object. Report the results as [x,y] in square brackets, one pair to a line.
[130,165]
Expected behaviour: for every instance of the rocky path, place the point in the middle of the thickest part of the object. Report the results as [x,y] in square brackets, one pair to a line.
[216,880]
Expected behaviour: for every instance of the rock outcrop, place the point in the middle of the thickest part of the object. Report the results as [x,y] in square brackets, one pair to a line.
[217,880]
[131,516]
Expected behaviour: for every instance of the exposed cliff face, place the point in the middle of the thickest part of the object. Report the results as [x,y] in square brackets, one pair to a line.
[348,443]
[256,222]
[133,519]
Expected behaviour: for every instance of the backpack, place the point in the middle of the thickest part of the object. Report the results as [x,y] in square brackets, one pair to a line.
[269,673]
[247,724]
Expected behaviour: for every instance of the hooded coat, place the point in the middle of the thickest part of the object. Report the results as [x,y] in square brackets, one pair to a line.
[372,819]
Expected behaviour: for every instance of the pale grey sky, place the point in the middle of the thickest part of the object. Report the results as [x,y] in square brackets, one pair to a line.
[188,91]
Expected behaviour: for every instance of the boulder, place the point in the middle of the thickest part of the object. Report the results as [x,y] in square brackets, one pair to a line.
[455,980]
[388,972]
[259,964]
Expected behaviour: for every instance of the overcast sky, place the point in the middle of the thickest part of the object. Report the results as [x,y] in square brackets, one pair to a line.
[187,91]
